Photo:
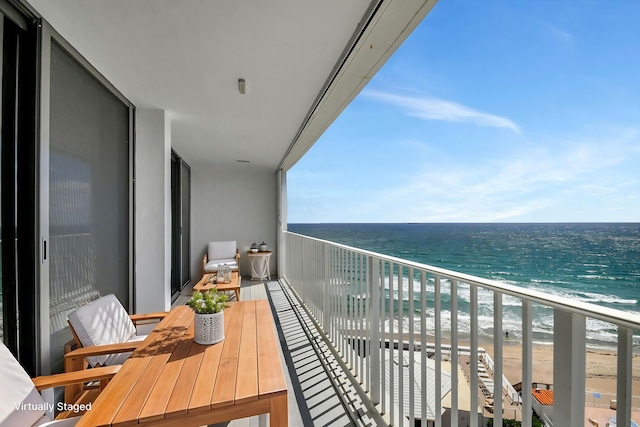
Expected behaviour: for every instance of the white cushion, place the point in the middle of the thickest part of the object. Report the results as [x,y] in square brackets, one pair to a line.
[221,250]
[16,388]
[67,422]
[119,358]
[212,266]
[103,321]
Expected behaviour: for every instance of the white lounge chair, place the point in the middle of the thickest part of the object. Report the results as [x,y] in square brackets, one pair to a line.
[20,402]
[219,253]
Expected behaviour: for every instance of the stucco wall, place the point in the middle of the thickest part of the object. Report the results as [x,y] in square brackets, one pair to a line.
[232,203]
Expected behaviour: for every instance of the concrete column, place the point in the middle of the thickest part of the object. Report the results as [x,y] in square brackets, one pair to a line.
[281,190]
[569,360]
[152,211]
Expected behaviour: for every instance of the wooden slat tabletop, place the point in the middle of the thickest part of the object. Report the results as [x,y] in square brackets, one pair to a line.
[247,379]
[204,284]
[170,377]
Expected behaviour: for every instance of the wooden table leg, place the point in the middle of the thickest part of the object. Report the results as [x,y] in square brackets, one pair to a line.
[279,411]
[237,294]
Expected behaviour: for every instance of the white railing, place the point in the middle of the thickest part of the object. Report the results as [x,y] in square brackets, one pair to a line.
[362,302]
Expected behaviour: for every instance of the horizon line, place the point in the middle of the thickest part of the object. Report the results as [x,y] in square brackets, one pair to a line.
[468,222]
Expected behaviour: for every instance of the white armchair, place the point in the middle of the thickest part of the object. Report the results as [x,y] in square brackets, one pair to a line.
[20,402]
[105,335]
[104,322]
[219,253]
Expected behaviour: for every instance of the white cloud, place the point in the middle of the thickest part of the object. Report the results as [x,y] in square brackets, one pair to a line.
[534,183]
[429,108]
[589,177]
[564,38]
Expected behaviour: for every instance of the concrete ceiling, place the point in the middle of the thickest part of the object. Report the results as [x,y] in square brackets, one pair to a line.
[186,57]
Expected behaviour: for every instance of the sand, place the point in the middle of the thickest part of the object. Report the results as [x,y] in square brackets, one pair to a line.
[601,375]
[601,369]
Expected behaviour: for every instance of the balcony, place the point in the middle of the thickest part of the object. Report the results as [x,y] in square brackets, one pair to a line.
[350,360]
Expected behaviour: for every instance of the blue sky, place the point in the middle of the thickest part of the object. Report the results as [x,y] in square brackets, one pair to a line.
[492,111]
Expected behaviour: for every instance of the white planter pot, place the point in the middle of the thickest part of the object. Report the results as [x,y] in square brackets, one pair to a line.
[209,328]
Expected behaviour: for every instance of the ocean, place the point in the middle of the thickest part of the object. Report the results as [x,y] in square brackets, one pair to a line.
[597,263]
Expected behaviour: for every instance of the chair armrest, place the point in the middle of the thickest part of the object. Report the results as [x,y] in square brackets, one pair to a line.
[76,361]
[60,380]
[238,258]
[146,317]
[99,350]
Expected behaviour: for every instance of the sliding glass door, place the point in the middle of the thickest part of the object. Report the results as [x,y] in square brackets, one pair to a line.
[180,224]
[88,194]
[18,294]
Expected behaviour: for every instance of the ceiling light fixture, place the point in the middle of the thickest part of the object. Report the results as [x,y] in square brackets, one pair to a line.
[242,86]
[242,161]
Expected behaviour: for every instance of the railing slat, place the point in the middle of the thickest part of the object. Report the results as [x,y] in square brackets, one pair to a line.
[326,285]
[383,352]
[334,296]
[423,340]
[349,310]
[363,320]
[392,383]
[454,352]
[376,374]
[438,334]
[412,364]
[473,356]
[341,314]
[497,357]
[527,338]
[401,396]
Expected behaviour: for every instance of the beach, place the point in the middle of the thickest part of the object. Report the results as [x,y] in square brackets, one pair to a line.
[601,375]
[601,365]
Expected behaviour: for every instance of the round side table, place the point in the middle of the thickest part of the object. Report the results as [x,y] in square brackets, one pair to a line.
[260,265]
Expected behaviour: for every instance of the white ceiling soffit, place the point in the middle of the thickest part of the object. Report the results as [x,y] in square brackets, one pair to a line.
[389,27]
[185,57]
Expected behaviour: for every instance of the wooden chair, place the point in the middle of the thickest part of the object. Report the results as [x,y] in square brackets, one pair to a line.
[21,404]
[104,335]
[219,253]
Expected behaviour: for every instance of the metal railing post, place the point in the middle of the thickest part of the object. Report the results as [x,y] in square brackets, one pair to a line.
[569,361]
[625,367]
[527,363]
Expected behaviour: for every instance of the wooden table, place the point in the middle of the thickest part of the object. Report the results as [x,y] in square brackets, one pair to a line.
[204,284]
[172,381]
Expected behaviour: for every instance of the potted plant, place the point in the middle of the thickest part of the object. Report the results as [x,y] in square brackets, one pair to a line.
[209,317]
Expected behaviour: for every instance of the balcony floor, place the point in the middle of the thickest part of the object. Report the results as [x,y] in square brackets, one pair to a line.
[315,380]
